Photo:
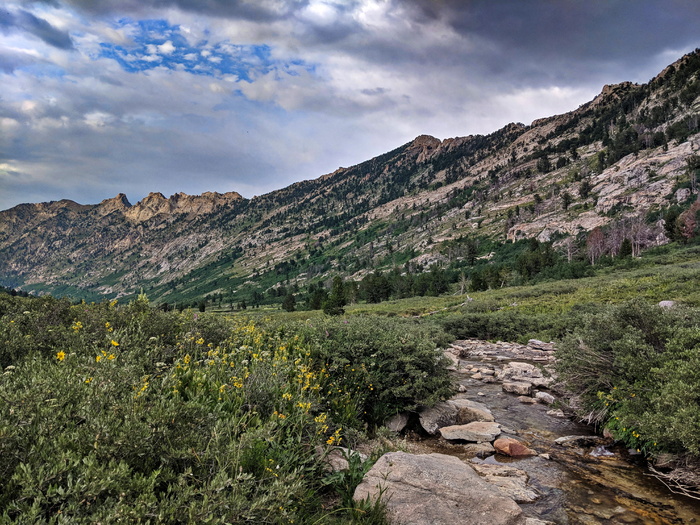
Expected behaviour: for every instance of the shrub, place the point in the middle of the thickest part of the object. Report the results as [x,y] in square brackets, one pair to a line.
[382,365]
[635,369]
[127,413]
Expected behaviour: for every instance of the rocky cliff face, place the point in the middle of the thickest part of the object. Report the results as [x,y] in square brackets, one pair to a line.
[629,152]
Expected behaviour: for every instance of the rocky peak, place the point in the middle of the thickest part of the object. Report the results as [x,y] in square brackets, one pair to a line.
[424,147]
[612,92]
[180,203]
[153,204]
[119,203]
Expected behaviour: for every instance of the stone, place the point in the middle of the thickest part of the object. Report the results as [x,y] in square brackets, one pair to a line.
[478,432]
[579,441]
[667,304]
[477,376]
[454,360]
[535,521]
[439,415]
[556,413]
[510,480]
[540,345]
[518,387]
[512,447]
[527,399]
[435,489]
[468,411]
[666,460]
[682,195]
[524,373]
[479,450]
[336,459]
[452,412]
[544,397]
[397,422]
[461,388]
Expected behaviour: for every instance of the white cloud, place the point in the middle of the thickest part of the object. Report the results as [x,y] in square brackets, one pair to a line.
[167,48]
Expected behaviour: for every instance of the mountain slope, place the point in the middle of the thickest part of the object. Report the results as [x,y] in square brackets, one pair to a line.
[626,156]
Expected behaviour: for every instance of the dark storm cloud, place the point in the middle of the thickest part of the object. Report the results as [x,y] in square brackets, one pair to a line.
[579,36]
[254,10]
[25,21]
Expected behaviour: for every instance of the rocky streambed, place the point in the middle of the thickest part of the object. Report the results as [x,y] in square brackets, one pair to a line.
[502,451]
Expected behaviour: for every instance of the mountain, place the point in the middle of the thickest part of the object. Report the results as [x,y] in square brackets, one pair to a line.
[623,161]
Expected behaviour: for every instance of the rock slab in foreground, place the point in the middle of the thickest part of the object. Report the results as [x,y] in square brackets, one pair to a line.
[435,489]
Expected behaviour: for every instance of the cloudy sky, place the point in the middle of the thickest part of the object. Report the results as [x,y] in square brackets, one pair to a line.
[99,97]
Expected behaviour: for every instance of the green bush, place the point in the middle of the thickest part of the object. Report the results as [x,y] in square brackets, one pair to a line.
[125,413]
[635,369]
[382,366]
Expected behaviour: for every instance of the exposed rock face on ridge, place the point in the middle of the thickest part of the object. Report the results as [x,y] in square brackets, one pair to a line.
[180,203]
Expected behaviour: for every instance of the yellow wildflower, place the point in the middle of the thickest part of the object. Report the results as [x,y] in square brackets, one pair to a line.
[114,343]
[98,358]
[61,355]
[287,396]
[111,356]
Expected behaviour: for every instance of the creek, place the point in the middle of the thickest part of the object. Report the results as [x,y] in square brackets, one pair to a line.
[592,481]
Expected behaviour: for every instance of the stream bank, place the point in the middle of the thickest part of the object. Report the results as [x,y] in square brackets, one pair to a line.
[569,476]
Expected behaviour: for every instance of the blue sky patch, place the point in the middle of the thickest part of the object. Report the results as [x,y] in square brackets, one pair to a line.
[159,44]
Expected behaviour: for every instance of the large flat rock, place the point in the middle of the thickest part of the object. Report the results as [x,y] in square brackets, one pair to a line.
[435,489]
[477,432]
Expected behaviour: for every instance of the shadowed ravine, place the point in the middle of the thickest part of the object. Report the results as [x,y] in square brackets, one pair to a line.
[595,482]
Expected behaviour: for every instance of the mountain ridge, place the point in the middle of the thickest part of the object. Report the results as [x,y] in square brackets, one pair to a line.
[625,154]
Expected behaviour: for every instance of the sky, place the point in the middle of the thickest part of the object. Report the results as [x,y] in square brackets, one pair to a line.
[99,97]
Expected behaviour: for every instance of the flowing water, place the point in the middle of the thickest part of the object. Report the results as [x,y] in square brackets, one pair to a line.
[594,484]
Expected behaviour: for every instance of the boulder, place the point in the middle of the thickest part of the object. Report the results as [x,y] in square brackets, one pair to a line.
[517,387]
[524,372]
[397,422]
[477,432]
[453,359]
[540,345]
[479,450]
[512,447]
[469,411]
[509,480]
[544,397]
[452,412]
[435,489]
[439,415]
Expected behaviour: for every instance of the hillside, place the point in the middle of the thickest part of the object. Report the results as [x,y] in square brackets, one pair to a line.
[626,162]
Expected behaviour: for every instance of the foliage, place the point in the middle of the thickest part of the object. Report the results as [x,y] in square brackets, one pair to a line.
[378,366]
[128,413]
[635,369]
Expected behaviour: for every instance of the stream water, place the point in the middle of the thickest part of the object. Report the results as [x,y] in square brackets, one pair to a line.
[592,484]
